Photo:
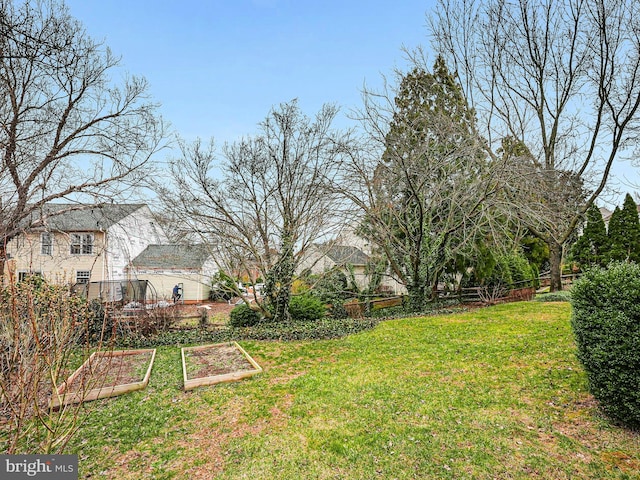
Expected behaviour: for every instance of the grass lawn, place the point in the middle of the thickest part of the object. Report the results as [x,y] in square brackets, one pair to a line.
[492,393]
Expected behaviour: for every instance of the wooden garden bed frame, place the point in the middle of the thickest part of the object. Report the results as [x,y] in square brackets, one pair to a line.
[62,397]
[190,384]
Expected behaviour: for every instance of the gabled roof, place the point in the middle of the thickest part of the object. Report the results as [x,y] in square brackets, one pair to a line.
[172,256]
[606,213]
[68,217]
[342,254]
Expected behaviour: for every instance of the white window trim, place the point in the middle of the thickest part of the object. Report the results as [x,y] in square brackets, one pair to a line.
[82,243]
[86,276]
[27,273]
[49,244]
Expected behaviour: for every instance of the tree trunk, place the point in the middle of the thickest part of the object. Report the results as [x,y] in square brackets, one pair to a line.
[278,283]
[3,263]
[416,298]
[555,261]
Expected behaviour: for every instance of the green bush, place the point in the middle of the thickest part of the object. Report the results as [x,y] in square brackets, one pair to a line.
[521,272]
[606,325]
[331,288]
[222,287]
[305,308]
[243,316]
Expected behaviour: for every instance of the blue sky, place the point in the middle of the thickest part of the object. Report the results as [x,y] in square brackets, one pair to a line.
[217,67]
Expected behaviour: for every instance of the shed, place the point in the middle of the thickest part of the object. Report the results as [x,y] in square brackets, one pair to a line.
[189,266]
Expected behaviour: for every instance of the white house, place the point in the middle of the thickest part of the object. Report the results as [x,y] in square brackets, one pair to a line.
[81,245]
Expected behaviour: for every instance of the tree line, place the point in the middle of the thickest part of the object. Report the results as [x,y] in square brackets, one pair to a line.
[499,147]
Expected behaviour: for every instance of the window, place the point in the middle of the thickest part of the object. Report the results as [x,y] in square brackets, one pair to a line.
[46,243]
[25,275]
[83,276]
[81,243]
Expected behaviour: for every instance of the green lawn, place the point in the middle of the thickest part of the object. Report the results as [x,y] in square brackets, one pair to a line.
[492,393]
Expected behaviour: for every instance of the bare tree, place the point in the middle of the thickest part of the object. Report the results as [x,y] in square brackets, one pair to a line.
[423,179]
[269,202]
[561,78]
[66,129]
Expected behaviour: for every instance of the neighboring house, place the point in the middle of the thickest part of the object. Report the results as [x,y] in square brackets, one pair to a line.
[606,215]
[191,267]
[322,258]
[348,236]
[349,248]
[91,244]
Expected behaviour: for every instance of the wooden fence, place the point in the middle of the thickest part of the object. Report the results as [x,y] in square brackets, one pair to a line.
[478,295]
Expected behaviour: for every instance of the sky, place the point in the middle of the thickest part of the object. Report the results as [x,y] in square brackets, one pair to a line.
[219,66]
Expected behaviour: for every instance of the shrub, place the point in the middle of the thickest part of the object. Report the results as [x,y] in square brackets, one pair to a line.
[306,308]
[243,316]
[521,272]
[331,289]
[40,323]
[606,325]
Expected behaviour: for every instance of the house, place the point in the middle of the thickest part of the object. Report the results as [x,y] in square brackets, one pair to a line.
[191,267]
[349,248]
[322,258]
[92,243]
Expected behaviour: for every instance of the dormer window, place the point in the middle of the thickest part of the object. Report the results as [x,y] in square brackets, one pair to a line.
[81,243]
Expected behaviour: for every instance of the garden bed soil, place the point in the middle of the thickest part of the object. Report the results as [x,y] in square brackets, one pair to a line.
[211,364]
[106,374]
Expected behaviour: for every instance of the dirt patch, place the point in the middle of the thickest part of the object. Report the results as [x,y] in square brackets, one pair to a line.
[212,308]
[110,369]
[215,360]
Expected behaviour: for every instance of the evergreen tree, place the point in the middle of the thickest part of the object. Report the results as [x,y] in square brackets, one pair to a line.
[624,232]
[592,247]
[429,182]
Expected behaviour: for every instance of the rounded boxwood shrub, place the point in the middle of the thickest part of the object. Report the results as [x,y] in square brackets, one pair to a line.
[243,316]
[606,325]
[304,308]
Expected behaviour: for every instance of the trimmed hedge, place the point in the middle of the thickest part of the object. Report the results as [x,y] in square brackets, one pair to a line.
[606,325]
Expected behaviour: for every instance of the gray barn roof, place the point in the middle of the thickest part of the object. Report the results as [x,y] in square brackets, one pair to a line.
[172,257]
[68,218]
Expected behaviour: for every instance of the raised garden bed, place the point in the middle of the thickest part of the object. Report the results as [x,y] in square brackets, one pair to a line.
[106,374]
[217,363]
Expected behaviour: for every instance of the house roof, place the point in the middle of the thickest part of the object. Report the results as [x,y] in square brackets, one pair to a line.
[342,254]
[68,217]
[172,257]
[606,213]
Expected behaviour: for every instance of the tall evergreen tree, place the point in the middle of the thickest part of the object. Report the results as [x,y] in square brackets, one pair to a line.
[624,232]
[429,186]
[592,247]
